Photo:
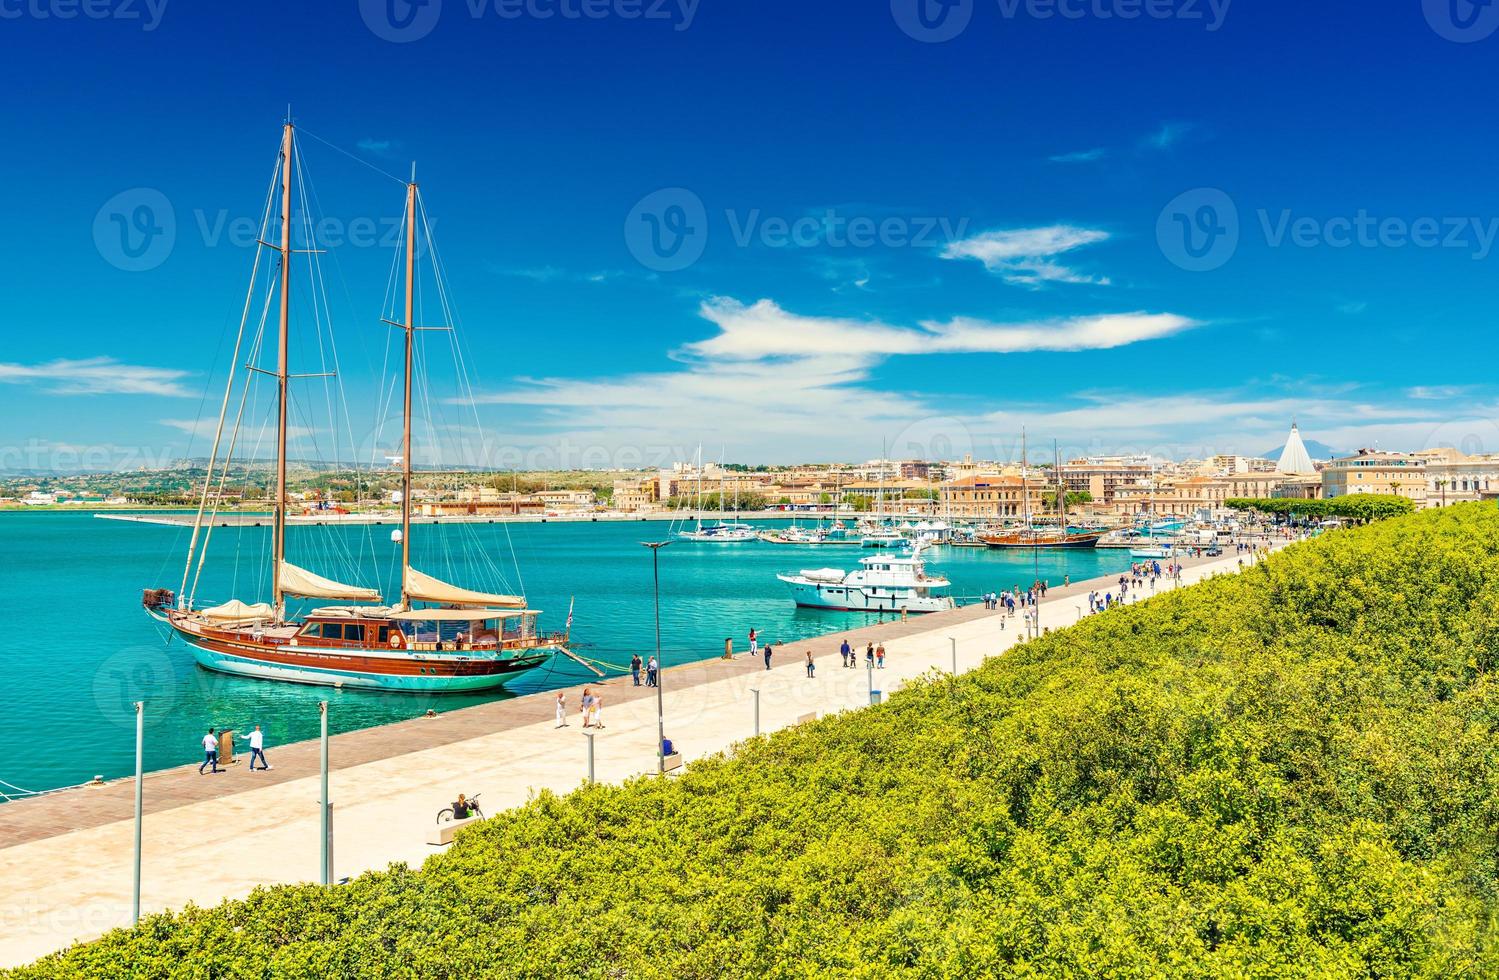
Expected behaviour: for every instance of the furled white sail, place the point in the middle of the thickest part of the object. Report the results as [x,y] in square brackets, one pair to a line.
[235,611]
[309,585]
[421,587]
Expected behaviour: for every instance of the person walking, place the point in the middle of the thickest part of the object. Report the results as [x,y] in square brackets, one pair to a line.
[754,641]
[846,652]
[210,753]
[811,665]
[598,712]
[869,655]
[652,672]
[561,709]
[585,707]
[635,664]
[768,651]
[256,739]
[879,657]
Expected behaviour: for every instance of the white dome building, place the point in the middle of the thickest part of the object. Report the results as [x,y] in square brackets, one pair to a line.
[1294,460]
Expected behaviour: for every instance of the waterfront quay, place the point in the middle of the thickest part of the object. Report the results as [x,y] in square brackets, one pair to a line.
[67,856]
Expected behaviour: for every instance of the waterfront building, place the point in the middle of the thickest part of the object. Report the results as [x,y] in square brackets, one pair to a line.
[1372,471]
[992,497]
[1453,476]
[1102,477]
[635,495]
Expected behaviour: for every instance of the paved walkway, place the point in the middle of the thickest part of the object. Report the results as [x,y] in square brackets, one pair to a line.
[66,857]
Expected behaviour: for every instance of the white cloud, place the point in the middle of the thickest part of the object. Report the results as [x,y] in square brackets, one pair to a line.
[97,376]
[1081,156]
[1025,256]
[772,382]
[1167,136]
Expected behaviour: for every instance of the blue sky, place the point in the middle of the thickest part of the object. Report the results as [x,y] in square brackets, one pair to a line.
[786,231]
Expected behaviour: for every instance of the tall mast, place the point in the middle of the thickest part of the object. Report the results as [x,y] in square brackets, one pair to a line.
[410,328]
[1056,466]
[278,534]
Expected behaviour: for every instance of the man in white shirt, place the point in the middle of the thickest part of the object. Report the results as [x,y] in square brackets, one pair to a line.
[257,748]
[210,753]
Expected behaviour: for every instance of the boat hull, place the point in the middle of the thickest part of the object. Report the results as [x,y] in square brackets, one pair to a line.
[1088,540]
[863,598]
[340,669]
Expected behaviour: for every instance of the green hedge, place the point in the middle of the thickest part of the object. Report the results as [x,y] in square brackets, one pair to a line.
[1290,772]
[1363,507]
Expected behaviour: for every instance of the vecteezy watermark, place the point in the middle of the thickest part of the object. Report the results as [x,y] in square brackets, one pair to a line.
[668,230]
[1199,229]
[136,229]
[148,12]
[932,21]
[935,21]
[137,673]
[1462,21]
[403,21]
[1211,13]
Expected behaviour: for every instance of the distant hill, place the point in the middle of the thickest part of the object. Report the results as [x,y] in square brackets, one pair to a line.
[1314,449]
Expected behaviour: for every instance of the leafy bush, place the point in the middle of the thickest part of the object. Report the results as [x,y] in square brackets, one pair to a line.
[1362,507]
[1288,772]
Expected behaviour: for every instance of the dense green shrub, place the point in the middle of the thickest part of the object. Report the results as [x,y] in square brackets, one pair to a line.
[1287,772]
[1356,507]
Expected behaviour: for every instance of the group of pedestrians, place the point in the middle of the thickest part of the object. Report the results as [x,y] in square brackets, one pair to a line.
[256,741]
[651,668]
[1012,599]
[874,655]
[591,707]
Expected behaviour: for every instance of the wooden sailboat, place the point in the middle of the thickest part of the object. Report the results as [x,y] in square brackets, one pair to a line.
[1033,537]
[438,638]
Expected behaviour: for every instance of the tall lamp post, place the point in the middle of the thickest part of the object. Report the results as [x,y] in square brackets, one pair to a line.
[656,547]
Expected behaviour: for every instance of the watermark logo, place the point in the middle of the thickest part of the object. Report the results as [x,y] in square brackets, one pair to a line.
[1462,21]
[667,230]
[136,229]
[932,21]
[148,12]
[400,21]
[134,674]
[1199,230]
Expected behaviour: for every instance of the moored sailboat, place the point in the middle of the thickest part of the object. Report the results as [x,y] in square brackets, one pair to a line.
[437,638]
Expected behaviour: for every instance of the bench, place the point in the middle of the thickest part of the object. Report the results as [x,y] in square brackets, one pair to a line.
[673,761]
[443,834]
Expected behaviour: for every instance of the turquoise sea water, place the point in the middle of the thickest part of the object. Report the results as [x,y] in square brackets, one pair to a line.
[80,650]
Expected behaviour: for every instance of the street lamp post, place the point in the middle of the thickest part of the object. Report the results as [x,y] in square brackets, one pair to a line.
[656,547]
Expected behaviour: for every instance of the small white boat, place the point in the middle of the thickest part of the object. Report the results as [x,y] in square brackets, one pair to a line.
[881,584]
[720,534]
[1153,551]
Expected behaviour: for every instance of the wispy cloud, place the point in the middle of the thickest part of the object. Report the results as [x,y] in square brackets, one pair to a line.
[1437,392]
[1167,136]
[552,273]
[97,376]
[768,373]
[1353,307]
[1080,156]
[1026,256]
[374,147]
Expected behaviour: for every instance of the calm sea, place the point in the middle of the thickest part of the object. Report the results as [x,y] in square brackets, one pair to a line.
[81,651]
